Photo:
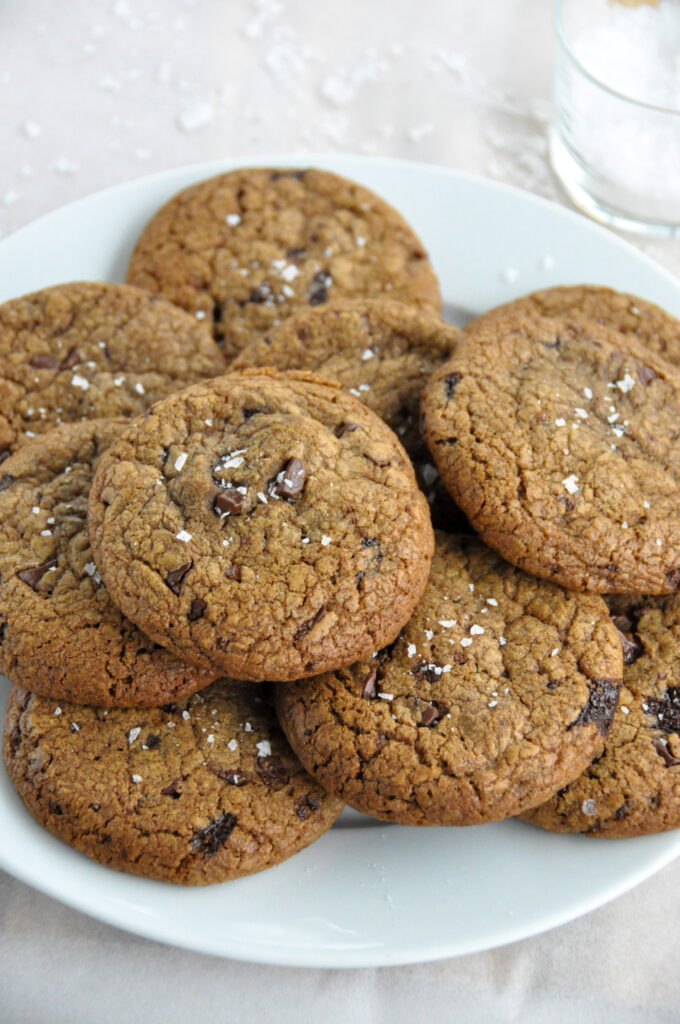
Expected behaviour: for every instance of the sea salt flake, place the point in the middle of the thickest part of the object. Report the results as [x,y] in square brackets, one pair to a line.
[57,710]
[476,630]
[183,535]
[502,641]
[180,460]
[264,748]
[233,220]
[587,392]
[492,703]
[492,601]
[626,383]
[429,633]
[466,641]
[248,727]
[325,541]
[588,807]
[570,482]
[625,710]
[560,422]
[118,381]
[554,651]
[233,744]
[80,382]
[139,388]
[411,650]
[367,354]
[386,696]
[446,623]
[210,738]
[185,715]
[136,778]
[581,413]
[133,734]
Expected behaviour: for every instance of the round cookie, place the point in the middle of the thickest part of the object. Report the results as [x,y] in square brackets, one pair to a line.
[633,788]
[498,690]
[192,793]
[559,442]
[626,313]
[61,634]
[82,350]
[268,525]
[246,249]
[380,350]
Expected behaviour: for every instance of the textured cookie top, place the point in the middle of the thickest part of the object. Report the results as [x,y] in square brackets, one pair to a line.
[498,690]
[559,442]
[634,787]
[245,249]
[628,314]
[267,524]
[380,350]
[195,792]
[62,636]
[80,351]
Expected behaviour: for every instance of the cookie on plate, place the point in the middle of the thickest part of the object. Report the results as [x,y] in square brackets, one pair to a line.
[626,313]
[499,689]
[268,525]
[61,635]
[246,249]
[633,788]
[194,792]
[83,350]
[380,350]
[558,440]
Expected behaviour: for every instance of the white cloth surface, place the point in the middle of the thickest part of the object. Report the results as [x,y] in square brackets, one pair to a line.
[92,93]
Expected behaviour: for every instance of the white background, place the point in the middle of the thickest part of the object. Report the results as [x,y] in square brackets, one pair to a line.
[93,93]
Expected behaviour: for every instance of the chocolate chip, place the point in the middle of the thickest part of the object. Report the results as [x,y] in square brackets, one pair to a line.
[600,706]
[632,646]
[260,294]
[44,361]
[346,428]
[310,623]
[94,807]
[427,670]
[6,479]
[306,805]
[173,789]
[369,542]
[624,810]
[217,312]
[71,359]
[212,838]
[673,577]
[433,713]
[666,709]
[646,374]
[369,685]
[233,572]
[459,658]
[174,578]
[273,771]
[661,747]
[451,382]
[54,807]
[229,501]
[318,288]
[227,775]
[198,606]
[294,476]
[169,708]
[35,573]
[153,740]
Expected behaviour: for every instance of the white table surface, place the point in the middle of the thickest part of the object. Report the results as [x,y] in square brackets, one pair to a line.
[93,92]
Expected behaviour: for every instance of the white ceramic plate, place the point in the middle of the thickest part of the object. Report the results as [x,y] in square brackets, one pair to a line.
[365,894]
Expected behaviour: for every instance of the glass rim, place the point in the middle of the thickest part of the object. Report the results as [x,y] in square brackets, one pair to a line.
[562,39]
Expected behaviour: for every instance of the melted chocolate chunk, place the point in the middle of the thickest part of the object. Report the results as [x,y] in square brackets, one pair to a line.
[260,294]
[212,838]
[600,707]
[427,670]
[666,709]
[198,606]
[35,573]
[293,482]
[433,713]
[174,579]
[71,359]
[273,771]
[229,502]
[230,776]
[369,686]
[310,623]
[450,384]
[673,577]
[44,361]
[173,790]
[170,708]
[459,658]
[153,740]
[233,572]
[646,374]
[661,747]
[346,428]
[306,805]
[632,646]
[318,288]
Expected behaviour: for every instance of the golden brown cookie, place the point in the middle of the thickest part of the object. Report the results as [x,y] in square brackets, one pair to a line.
[83,350]
[558,440]
[195,792]
[246,249]
[633,788]
[499,686]
[264,524]
[61,635]
[628,314]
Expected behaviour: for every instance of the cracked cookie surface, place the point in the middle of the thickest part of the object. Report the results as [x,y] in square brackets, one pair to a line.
[559,441]
[246,249]
[61,634]
[628,314]
[266,524]
[633,787]
[195,792]
[90,350]
[499,687]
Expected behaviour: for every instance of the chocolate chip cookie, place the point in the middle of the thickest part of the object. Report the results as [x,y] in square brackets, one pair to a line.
[499,686]
[265,524]
[633,788]
[559,440]
[626,313]
[80,351]
[194,792]
[61,635]
[246,249]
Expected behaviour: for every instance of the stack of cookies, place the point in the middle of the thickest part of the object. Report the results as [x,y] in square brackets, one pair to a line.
[223,607]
